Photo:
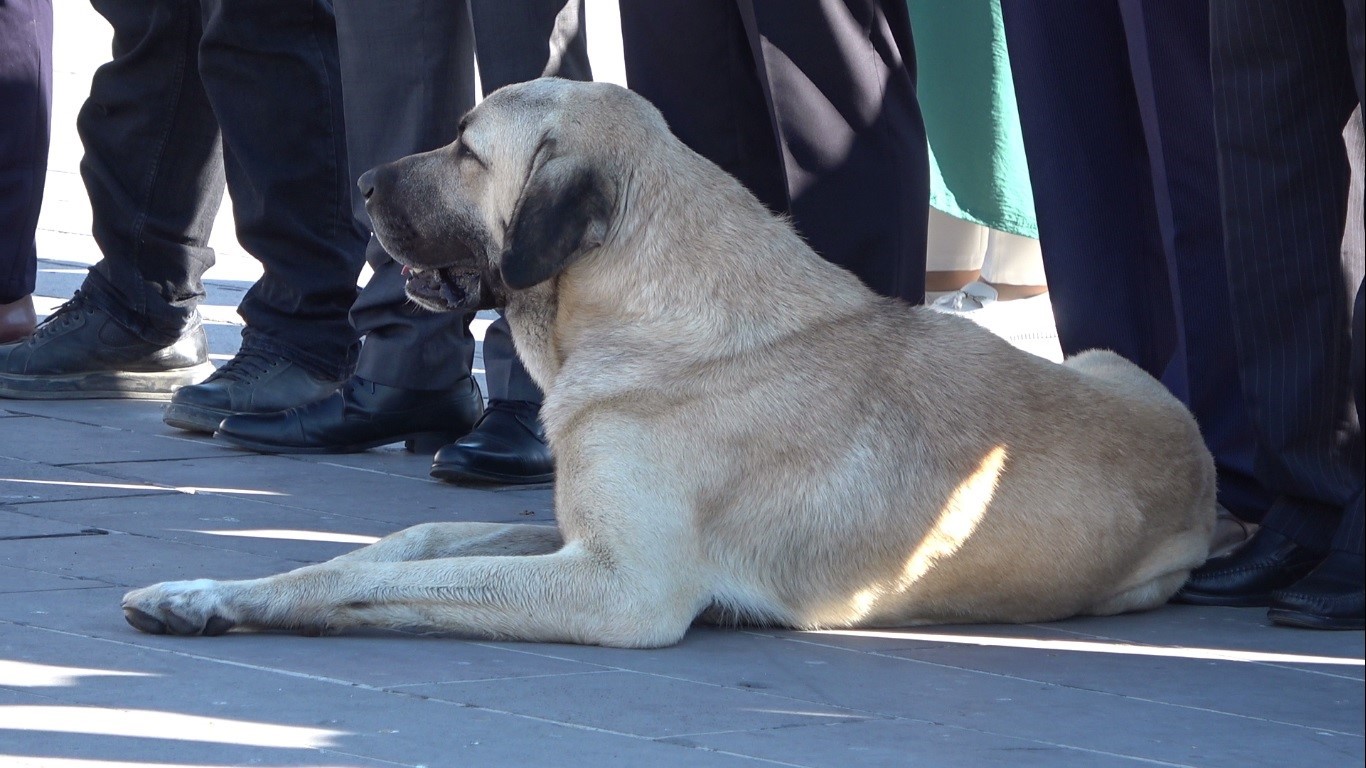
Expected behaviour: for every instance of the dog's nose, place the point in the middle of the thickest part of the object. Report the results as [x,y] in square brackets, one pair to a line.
[367,183]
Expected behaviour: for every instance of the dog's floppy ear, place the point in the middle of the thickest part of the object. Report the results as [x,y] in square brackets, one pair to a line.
[564,212]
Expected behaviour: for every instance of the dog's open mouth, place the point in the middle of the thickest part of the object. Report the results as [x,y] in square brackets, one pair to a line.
[443,290]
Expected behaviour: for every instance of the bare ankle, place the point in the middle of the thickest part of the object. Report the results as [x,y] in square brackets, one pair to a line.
[1007,292]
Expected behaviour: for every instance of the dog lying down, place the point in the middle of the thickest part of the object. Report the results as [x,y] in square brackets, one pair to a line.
[743,432]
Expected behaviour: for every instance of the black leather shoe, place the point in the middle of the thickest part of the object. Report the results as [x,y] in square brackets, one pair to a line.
[1248,576]
[359,416]
[507,446]
[80,352]
[1330,597]
[251,382]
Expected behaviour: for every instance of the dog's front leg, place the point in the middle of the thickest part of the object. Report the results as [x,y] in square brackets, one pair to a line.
[203,606]
[569,596]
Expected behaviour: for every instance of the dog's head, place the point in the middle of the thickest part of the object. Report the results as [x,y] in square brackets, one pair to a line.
[529,187]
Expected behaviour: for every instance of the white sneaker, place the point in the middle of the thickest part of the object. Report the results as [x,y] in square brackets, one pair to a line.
[1025,323]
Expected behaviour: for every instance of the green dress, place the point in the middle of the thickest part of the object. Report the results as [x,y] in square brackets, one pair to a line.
[977,160]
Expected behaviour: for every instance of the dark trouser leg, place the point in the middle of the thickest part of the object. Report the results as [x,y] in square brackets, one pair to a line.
[26,101]
[1118,128]
[522,43]
[152,167]
[408,76]
[408,81]
[866,207]
[1283,92]
[271,73]
[692,60]
[1352,530]
[516,41]
[737,81]
[519,41]
[507,378]
[1351,533]
[1093,187]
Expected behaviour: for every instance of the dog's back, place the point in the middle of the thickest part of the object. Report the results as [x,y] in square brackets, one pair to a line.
[930,473]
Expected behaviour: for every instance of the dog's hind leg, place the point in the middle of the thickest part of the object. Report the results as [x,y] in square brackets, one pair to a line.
[430,541]
[1144,597]
[1157,577]
[568,596]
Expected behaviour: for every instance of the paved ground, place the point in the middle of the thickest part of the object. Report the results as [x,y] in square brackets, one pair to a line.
[99,496]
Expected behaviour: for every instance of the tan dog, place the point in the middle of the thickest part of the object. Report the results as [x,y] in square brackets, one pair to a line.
[743,432]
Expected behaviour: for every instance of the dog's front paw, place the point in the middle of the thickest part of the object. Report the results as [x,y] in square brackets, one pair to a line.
[178,608]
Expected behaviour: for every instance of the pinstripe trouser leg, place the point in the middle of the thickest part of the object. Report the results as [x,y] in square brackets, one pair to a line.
[1283,90]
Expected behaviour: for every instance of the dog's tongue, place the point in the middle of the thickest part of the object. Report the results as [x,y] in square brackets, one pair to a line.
[406,270]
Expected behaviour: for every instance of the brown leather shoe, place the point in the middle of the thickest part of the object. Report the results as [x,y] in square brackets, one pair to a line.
[17,319]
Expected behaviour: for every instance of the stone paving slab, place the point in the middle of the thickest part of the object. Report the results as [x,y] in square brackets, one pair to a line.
[254,712]
[16,527]
[29,582]
[397,499]
[133,561]
[143,417]
[224,522]
[67,443]
[1315,699]
[27,482]
[966,686]
[897,743]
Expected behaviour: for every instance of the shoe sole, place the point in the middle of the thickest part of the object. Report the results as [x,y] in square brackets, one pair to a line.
[194,419]
[452,474]
[1313,621]
[1223,601]
[114,385]
[420,442]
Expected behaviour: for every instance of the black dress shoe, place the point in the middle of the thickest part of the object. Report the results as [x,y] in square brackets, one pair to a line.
[1248,576]
[359,416]
[1330,597]
[507,446]
[80,352]
[251,382]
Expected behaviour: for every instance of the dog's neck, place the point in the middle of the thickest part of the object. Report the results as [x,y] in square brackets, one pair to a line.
[531,318]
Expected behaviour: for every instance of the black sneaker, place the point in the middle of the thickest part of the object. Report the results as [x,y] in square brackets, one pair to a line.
[80,352]
[251,382]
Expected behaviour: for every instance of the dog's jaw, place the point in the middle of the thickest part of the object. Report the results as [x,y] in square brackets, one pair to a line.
[445,290]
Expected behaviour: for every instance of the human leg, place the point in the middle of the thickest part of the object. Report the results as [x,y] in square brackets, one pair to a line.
[26,100]
[1285,185]
[508,444]
[765,89]
[275,63]
[154,174]
[407,77]
[843,74]
[1131,264]
[1011,297]
[954,252]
